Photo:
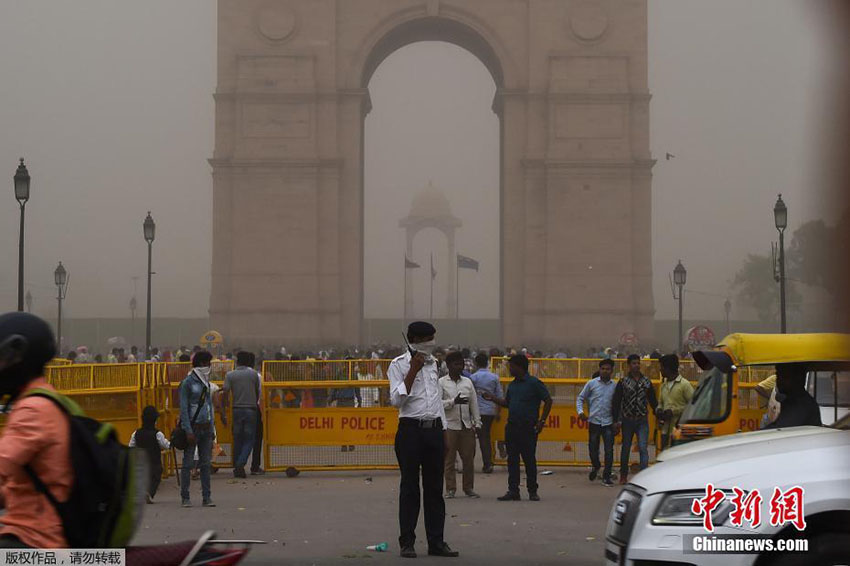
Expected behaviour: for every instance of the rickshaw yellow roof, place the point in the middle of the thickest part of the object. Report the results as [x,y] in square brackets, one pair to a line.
[769,349]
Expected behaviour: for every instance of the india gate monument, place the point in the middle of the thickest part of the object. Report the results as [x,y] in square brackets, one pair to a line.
[576,172]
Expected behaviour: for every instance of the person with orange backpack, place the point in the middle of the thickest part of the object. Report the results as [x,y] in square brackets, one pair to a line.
[60,470]
[36,435]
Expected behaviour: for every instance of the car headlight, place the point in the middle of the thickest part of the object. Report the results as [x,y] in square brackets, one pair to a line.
[675,509]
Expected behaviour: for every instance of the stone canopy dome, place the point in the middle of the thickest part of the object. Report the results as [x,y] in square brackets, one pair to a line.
[431,204]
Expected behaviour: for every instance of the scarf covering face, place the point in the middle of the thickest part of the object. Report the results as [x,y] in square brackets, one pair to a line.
[204,374]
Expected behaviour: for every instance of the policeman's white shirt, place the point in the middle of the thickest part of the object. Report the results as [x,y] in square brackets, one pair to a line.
[425,398]
[465,415]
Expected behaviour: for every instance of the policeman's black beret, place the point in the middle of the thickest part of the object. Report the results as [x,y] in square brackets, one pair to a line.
[420,329]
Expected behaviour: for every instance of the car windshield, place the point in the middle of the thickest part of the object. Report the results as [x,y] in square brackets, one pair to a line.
[711,399]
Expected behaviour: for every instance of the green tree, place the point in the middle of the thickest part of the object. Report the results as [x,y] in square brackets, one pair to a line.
[757,288]
[810,258]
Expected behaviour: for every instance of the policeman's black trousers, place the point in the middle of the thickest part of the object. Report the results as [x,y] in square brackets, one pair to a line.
[420,449]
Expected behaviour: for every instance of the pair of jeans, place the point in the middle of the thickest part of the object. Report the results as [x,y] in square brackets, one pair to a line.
[420,448]
[484,440]
[257,452]
[521,439]
[632,427]
[244,430]
[204,443]
[606,433]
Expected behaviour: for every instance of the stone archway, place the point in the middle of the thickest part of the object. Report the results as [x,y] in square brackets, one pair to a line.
[431,209]
[573,103]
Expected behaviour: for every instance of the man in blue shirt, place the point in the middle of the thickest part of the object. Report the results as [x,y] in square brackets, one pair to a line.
[525,393]
[599,395]
[485,380]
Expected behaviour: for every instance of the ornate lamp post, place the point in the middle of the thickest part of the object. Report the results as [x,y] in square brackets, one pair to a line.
[150,232]
[60,277]
[22,195]
[780,217]
[680,277]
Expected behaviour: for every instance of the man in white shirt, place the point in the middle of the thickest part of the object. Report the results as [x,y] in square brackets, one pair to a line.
[462,418]
[419,443]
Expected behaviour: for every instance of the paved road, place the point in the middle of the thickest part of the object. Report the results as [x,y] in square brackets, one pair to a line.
[329,518]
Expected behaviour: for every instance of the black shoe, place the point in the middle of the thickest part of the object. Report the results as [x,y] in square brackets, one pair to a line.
[510,496]
[608,483]
[532,496]
[442,549]
[258,472]
[487,469]
[408,552]
[239,473]
[593,473]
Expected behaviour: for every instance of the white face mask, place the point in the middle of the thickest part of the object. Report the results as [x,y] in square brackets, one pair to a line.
[204,372]
[426,348]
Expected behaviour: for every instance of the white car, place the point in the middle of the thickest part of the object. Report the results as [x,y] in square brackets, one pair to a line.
[651,519]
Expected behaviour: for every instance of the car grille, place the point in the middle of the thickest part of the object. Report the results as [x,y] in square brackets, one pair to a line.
[623,515]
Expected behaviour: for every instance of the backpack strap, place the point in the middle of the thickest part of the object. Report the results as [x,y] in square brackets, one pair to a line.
[201,402]
[41,487]
[68,406]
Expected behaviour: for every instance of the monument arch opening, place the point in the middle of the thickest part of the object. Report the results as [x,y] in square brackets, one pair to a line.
[432,190]
[288,166]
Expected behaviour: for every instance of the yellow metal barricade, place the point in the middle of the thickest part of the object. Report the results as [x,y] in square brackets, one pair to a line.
[301,431]
[107,392]
[336,414]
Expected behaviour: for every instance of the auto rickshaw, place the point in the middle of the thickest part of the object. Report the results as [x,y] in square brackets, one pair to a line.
[723,400]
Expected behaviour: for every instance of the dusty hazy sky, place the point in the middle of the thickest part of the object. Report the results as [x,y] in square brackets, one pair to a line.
[111,104]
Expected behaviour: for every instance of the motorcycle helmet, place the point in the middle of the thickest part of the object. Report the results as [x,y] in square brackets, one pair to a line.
[26,345]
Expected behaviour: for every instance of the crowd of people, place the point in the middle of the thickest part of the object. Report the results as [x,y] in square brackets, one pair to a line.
[121,355]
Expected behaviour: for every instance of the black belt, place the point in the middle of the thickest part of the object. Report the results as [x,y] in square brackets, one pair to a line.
[421,423]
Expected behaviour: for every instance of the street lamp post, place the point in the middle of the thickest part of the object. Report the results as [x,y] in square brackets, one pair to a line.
[149,231]
[133,320]
[60,277]
[22,195]
[727,306]
[680,277]
[780,217]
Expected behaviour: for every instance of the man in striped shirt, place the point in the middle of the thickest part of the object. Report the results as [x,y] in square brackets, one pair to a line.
[631,397]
